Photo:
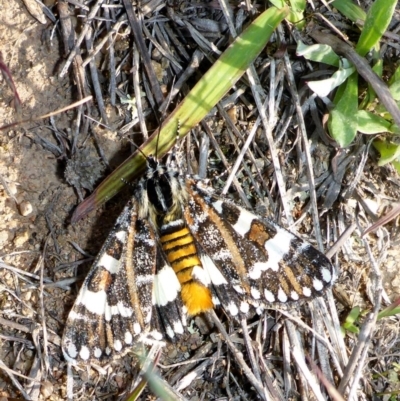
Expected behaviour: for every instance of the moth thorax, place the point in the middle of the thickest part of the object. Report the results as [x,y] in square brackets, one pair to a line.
[159,193]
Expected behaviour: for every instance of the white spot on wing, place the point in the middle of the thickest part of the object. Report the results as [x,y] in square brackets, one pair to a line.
[269,296]
[215,300]
[233,309]
[84,353]
[156,335]
[128,338]
[306,292]
[213,272]
[256,269]
[244,307]
[218,206]
[94,302]
[277,247]
[121,309]
[75,316]
[294,295]
[201,275]
[136,328]
[243,224]
[282,297]
[239,289]
[170,332]
[326,275]
[144,279]
[107,313]
[121,235]
[223,255]
[166,286]
[178,328]
[145,240]
[117,345]
[146,311]
[255,293]
[97,352]
[72,352]
[318,285]
[109,263]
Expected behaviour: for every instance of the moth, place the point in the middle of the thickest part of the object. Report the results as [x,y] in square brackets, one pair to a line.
[177,250]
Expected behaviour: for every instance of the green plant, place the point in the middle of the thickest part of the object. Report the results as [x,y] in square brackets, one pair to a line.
[348,116]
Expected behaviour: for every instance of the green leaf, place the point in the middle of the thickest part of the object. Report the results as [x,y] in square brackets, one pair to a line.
[342,123]
[325,86]
[318,53]
[296,10]
[325,54]
[378,18]
[351,328]
[350,10]
[395,90]
[396,165]
[391,310]
[396,76]
[352,318]
[389,151]
[370,123]
[209,90]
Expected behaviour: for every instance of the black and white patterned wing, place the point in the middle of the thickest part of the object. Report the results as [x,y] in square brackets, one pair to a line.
[250,259]
[169,308]
[115,304]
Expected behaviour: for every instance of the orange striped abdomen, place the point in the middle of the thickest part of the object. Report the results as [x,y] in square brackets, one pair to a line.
[178,245]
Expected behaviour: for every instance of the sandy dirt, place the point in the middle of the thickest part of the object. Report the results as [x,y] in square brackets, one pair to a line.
[36,204]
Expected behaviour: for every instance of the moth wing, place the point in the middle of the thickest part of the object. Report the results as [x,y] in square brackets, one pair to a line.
[115,303]
[167,299]
[259,260]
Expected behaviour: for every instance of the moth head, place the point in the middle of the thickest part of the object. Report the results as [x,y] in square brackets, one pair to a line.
[161,192]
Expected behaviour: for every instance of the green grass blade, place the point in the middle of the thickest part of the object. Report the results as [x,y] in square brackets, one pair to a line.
[378,18]
[350,10]
[225,72]
[296,10]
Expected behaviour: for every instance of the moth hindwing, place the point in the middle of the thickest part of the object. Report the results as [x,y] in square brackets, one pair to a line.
[177,251]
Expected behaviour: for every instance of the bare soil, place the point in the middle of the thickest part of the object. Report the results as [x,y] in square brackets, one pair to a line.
[36,204]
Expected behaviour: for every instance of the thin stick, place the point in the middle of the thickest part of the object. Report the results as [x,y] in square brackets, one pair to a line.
[78,42]
[138,37]
[238,355]
[53,113]
[95,76]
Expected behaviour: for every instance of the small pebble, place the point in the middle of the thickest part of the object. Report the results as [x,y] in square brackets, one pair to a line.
[46,389]
[25,208]
[26,296]
[21,238]
[12,188]
[3,237]
[27,312]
